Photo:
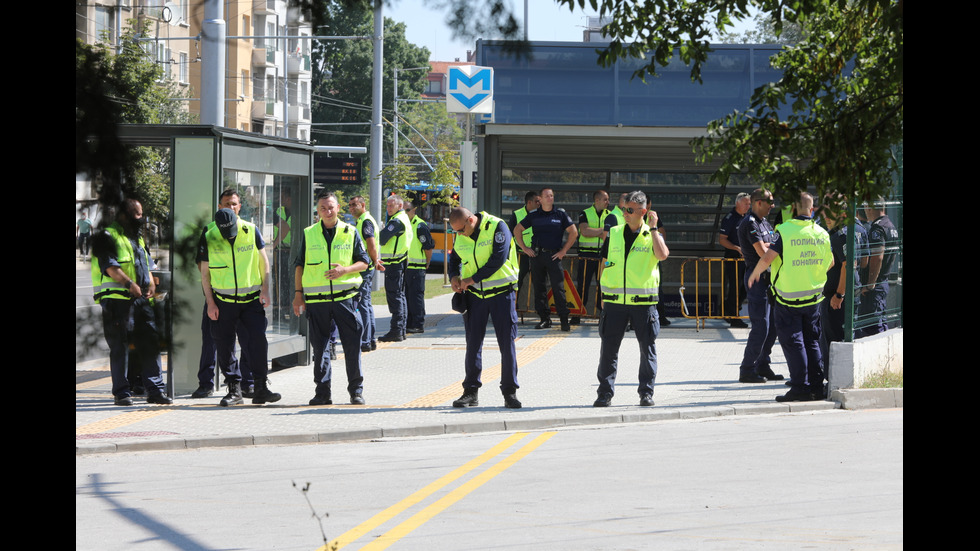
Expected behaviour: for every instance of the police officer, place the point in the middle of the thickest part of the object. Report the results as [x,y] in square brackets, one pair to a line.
[235,279]
[229,199]
[590,238]
[419,257]
[835,290]
[483,267]
[124,288]
[549,224]
[800,256]
[327,281]
[531,202]
[755,233]
[882,240]
[734,267]
[367,228]
[396,240]
[630,282]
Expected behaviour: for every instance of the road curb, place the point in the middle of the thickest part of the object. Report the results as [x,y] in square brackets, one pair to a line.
[474,427]
[869,398]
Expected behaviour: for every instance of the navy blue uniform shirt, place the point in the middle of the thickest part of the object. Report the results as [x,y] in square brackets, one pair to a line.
[549,227]
[753,230]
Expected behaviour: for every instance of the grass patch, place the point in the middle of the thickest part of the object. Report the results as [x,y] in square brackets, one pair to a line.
[885,379]
[433,288]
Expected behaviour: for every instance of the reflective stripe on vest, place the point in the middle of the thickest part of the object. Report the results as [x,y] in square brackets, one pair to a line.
[236,274]
[595,220]
[319,256]
[395,250]
[800,272]
[631,280]
[474,255]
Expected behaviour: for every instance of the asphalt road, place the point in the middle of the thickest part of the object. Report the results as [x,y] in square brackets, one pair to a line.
[821,480]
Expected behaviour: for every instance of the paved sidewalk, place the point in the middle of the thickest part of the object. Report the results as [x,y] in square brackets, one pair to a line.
[409,388]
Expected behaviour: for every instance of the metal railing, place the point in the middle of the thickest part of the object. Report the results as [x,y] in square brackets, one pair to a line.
[709,273]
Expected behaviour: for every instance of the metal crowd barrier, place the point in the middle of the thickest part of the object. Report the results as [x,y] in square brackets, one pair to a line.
[709,273]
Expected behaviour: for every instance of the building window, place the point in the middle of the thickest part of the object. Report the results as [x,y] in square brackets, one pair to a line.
[184,68]
[103,24]
[245,83]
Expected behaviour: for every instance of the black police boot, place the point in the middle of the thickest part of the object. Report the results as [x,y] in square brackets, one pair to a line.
[234,396]
[263,394]
[322,397]
[468,399]
[564,323]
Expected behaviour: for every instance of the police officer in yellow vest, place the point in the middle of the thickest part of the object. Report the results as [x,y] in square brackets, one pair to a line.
[800,257]
[124,287]
[629,291]
[228,199]
[235,279]
[419,257]
[483,267]
[531,202]
[591,234]
[327,281]
[396,240]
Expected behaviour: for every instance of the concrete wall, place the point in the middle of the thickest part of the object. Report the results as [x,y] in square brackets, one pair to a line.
[853,362]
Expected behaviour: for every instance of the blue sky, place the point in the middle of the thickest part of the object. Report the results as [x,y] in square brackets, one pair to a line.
[547,20]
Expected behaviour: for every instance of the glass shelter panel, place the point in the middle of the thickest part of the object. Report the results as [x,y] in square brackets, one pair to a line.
[267,202]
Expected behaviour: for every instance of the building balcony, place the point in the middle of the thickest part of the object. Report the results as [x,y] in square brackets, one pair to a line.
[266,109]
[264,56]
[265,7]
[300,113]
[299,64]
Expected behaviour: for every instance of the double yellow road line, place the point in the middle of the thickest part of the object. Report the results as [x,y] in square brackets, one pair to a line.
[430,511]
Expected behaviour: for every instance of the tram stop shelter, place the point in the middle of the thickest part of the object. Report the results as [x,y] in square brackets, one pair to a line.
[274,178]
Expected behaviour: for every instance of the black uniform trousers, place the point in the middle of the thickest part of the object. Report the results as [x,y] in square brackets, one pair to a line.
[500,309]
[205,370]
[395,293]
[248,321]
[323,317]
[542,266]
[612,327]
[132,321]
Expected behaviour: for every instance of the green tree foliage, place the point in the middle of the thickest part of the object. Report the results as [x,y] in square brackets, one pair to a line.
[397,177]
[835,118]
[123,88]
[444,179]
[832,121]
[765,33]
[343,72]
